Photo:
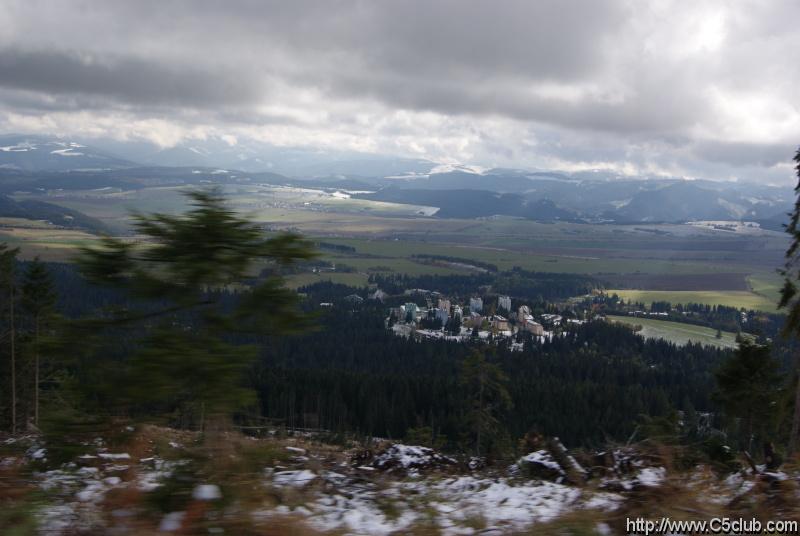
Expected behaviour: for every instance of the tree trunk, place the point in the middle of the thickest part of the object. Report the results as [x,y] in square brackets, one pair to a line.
[749,432]
[480,418]
[13,365]
[36,374]
[796,420]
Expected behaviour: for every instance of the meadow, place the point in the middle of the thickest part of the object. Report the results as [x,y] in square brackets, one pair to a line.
[677,332]
[38,238]
[728,298]
[643,262]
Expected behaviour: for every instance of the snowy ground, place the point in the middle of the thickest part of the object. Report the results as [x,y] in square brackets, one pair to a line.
[397,489]
[457,505]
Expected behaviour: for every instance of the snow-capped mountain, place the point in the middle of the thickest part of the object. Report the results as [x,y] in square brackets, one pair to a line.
[253,156]
[40,153]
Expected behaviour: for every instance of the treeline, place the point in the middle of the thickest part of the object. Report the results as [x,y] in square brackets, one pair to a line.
[542,286]
[762,324]
[168,329]
[27,311]
[592,384]
[522,284]
[339,248]
[57,215]
[451,285]
[348,373]
[179,331]
[489,267]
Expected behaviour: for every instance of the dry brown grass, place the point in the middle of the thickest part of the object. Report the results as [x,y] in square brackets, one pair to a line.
[236,463]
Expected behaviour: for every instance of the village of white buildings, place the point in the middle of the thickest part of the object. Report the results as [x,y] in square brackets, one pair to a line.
[499,320]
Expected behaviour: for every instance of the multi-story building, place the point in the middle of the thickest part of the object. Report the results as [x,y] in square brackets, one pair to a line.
[474,320]
[504,303]
[551,320]
[500,323]
[525,321]
[475,305]
[529,324]
[410,311]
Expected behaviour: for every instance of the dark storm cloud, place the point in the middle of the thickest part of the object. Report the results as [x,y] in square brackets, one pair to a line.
[745,154]
[450,51]
[126,80]
[695,82]
[549,39]
[663,112]
[457,56]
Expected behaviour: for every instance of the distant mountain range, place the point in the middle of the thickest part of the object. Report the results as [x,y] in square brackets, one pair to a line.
[38,153]
[556,196]
[38,162]
[466,203]
[253,157]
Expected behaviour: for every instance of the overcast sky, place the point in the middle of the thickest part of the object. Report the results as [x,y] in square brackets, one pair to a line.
[686,88]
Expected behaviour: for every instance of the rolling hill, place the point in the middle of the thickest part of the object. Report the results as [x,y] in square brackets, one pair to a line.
[57,215]
[39,153]
[29,163]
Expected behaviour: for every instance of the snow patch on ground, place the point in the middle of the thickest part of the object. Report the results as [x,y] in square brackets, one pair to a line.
[37,453]
[157,471]
[651,476]
[171,522]
[501,503]
[410,457]
[207,492]
[543,458]
[112,456]
[453,504]
[66,152]
[293,478]
[357,513]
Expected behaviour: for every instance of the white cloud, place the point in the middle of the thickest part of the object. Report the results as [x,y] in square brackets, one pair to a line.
[640,87]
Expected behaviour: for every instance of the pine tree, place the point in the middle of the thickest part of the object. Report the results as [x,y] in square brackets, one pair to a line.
[748,388]
[38,301]
[484,385]
[790,299]
[187,357]
[8,268]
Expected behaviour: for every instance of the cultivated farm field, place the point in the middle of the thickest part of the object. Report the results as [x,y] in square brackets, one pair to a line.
[677,332]
[644,262]
[729,298]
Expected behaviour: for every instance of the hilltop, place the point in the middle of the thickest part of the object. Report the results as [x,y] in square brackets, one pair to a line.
[145,479]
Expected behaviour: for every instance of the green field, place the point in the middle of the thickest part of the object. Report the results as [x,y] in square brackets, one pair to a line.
[386,236]
[729,298]
[677,332]
[767,285]
[352,279]
[36,238]
[506,258]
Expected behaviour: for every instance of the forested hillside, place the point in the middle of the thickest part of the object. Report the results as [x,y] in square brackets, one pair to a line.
[347,373]
[188,349]
[32,209]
